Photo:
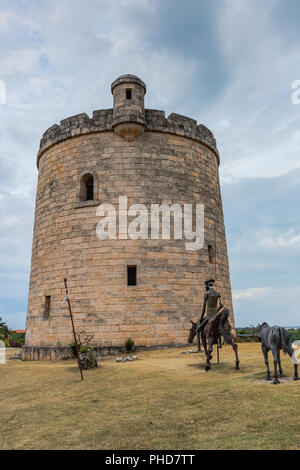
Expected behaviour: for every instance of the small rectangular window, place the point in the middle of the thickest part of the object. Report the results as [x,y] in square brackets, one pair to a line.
[47,305]
[211,255]
[128,94]
[131,275]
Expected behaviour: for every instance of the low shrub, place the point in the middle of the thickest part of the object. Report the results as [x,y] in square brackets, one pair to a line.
[84,340]
[73,348]
[16,340]
[129,344]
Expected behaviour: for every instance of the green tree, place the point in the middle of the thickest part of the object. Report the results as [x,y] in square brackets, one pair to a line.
[3,328]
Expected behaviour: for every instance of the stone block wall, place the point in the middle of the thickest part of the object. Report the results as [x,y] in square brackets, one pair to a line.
[157,167]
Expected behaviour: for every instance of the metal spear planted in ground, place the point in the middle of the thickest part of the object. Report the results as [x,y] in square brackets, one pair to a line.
[67,299]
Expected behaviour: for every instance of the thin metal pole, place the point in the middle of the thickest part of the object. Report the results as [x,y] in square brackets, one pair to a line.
[74,334]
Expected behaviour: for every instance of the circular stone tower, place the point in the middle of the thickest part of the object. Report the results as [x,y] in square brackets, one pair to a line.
[146,286]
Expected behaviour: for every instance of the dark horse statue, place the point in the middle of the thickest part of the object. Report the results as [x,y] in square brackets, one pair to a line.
[216,328]
[275,338]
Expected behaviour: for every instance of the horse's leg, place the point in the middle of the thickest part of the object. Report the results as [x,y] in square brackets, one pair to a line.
[265,353]
[237,360]
[235,348]
[203,338]
[295,362]
[275,356]
[198,341]
[281,374]
[209,353]
[204,342]
[296,376]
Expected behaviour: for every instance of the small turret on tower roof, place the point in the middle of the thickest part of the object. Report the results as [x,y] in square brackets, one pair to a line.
[129,110]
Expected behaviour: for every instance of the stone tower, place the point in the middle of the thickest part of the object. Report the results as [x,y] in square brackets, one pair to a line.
[147,288]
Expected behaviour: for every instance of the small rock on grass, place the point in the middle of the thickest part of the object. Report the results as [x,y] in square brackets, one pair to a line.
[128,358]
[16,356]
[189,351]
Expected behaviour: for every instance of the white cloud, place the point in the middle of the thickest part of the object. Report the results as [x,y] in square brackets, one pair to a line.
[252,293]
[288,239]
[274,305]
[20,61]
[223,124]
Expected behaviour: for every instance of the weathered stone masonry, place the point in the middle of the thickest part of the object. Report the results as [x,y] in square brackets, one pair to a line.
[139,153]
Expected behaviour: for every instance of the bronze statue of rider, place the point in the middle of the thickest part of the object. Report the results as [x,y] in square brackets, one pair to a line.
[211,306]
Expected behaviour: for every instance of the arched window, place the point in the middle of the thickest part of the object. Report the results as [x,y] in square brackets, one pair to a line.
[87,187]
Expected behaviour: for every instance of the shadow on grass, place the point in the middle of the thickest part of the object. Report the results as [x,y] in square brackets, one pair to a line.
[74,370]
[260,378]
[224,368]
[255,376]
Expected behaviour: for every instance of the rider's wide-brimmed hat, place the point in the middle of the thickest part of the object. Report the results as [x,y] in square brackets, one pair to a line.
[209,280]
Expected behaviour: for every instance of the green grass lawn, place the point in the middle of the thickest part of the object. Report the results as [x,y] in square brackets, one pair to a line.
[165,400]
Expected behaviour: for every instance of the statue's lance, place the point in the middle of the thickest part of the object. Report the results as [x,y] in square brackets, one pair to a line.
[67,299]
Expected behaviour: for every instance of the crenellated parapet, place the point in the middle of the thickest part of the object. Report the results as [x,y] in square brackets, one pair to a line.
[102,120]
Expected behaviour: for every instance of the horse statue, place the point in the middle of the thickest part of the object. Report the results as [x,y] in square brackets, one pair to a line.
[276,338]
[216,328]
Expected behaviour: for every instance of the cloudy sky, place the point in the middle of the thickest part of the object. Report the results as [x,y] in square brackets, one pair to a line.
[230,64]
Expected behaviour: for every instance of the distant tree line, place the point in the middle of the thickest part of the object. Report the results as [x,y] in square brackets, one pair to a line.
[294,333]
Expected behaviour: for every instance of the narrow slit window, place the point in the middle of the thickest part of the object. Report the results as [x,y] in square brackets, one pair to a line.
[87,188]
[128,94]
[131,275]
[47,305]
[211,255]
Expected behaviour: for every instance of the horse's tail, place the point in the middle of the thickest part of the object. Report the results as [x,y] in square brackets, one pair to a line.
[286,343]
